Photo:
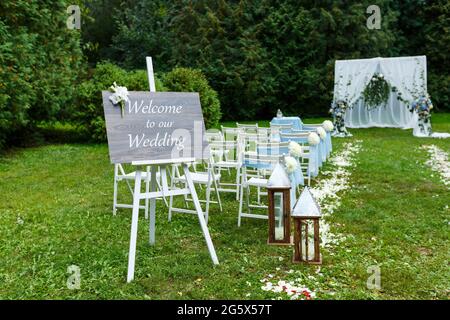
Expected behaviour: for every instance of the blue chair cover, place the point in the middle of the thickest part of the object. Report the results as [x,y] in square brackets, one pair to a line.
[328,144]
[257,164]
[297,123]
[323,149]
[297,176]
[293,192]
[313,166]
[268,151]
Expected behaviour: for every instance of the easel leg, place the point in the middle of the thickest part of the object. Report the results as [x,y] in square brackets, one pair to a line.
[171,197]
[147,185]
[134,226]
[152,206]
[201,218]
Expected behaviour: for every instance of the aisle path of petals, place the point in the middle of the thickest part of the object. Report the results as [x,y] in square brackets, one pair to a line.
[438,162]
[326,192]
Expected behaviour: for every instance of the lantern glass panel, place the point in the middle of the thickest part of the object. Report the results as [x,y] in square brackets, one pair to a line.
[279,213]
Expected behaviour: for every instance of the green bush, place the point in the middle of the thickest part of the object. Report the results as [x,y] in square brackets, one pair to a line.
[40,60]
[191,80]
[89,113]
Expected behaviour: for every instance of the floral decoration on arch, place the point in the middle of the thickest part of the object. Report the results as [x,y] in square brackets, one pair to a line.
[119,97]
[376,92]
[422,106]
[337,110]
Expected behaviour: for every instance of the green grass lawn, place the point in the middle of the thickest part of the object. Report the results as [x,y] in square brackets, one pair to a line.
[395,215]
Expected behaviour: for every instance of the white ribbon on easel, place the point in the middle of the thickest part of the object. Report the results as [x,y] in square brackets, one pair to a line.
[153,194]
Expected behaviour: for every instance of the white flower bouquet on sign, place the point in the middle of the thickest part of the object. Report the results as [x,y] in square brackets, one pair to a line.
[295,149]
[313,139]
[119,96]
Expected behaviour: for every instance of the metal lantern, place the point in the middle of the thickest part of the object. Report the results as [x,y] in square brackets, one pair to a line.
[306,210]
[278,192]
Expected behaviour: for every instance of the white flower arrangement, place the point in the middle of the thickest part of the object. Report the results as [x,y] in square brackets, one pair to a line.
[291,164]
[328,125]
[313,139]
[119,97]
[295,149]
[321,132]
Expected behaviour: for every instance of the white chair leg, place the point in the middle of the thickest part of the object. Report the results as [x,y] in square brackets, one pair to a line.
[218,194]
[247,197]
[259,195]
[115,189]
[208,196]
[238,182]
[241,200]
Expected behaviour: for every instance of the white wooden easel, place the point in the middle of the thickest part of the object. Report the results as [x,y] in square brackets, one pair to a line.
[152,194]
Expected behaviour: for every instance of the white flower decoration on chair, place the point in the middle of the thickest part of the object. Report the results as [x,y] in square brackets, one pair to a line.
[295,149]
[119,97]
[291,164]
[313,139]
[321,132]
[328,125]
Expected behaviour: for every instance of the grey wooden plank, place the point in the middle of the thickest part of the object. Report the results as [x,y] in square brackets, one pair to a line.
[176,115]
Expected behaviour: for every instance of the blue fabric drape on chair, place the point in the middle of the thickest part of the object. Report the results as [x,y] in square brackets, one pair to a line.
[296,122]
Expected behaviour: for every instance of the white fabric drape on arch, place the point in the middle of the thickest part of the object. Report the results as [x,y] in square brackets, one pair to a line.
[394,115]
[406,74]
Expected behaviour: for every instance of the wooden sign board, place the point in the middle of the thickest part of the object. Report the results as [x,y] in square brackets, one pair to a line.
[156,126]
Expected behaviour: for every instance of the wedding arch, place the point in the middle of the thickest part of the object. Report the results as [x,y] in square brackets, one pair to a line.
[395,83]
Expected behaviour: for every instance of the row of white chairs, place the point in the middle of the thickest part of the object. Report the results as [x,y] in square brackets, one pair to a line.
[231,152]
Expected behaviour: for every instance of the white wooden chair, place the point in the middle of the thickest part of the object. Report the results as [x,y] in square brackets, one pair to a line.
[278,128]
[309,157]
[230,133]
[121,175]
[226,155]
[249,143]
[264,164]
[208,178]
[247,128]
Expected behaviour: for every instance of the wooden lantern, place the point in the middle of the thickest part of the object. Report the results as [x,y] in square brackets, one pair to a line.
[278,192]
[306,210]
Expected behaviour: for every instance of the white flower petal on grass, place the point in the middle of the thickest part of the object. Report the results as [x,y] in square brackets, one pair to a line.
[438,162]
[328,190]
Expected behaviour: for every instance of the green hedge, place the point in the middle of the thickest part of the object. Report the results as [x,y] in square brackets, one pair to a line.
[191,80]
[40,60]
